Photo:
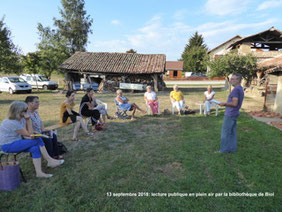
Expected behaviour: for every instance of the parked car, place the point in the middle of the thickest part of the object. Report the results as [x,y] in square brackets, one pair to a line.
[40,80]
[198,75]
[14,85]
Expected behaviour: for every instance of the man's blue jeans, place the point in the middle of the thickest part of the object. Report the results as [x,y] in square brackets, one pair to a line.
[229,134]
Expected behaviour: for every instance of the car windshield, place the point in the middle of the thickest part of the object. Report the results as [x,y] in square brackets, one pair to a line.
[43,78]
[16,79]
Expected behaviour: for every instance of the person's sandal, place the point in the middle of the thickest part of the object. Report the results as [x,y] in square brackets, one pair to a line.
[54,166]
[75,139]
[90,134]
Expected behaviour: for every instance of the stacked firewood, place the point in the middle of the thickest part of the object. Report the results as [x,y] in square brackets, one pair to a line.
[112,82]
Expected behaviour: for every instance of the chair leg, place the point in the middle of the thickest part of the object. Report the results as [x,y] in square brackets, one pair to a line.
[22,175]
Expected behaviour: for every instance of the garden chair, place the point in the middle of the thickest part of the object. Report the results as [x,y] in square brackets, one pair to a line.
[120,113]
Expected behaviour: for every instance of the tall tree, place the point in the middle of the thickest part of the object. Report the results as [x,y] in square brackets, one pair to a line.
[52,50]
[74,24]
[230,63]
[131,51]
[194,55]
[9,53]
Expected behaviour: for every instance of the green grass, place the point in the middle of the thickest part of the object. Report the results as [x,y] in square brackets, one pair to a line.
[165,154]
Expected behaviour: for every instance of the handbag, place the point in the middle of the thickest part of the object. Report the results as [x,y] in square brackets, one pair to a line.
[9,174]
[62,149]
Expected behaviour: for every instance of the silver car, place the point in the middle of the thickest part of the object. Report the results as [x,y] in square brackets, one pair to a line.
[14,85]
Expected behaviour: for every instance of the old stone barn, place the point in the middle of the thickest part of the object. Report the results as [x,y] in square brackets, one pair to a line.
[111,69]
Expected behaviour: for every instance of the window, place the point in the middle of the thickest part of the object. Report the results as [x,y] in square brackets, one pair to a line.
[28,78]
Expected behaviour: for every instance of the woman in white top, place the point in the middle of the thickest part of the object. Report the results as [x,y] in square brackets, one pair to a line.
[152,100]
[209,95]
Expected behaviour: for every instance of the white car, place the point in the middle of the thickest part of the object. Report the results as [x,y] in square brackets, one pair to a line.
[39,80]
[14,85]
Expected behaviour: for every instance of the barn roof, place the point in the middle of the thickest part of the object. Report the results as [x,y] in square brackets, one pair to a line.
[271,65]
[105,62]
[230,40]
[271,37]
[174,65]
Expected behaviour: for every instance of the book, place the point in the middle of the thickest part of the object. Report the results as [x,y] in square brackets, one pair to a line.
[39,135]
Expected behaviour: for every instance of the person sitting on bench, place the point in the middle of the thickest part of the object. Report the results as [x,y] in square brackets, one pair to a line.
[51,143]
[12,129]
[123,104]
[87,107]
[67,116]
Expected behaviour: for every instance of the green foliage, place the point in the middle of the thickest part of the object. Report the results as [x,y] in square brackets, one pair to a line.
[234,63]
[194,55]
[31,63]
[195,59]
[74,25]
[131,51]
[9,53]
[52,50]
[196,40]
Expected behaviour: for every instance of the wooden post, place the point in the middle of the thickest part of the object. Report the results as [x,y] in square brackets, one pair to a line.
[155,78]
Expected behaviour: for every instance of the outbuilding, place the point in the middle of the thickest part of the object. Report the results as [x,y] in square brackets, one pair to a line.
[110,69]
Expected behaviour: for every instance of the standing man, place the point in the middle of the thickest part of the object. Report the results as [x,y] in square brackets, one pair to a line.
[229,127]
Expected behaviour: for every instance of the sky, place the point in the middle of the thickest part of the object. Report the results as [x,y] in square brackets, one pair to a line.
[148,26]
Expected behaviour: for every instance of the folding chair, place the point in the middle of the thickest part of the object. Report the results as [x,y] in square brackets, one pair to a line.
[121,113]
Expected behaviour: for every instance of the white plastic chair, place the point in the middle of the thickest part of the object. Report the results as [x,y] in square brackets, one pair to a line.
[173,107]
[202,106]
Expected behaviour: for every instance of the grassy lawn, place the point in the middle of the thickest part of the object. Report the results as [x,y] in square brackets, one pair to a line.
[166,154]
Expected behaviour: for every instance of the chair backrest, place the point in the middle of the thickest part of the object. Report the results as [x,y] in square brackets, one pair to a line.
[116,102]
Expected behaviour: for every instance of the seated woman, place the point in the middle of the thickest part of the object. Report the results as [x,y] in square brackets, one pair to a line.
[12,129]
[209,95]
[152,100]
[67,115]
[51,144]
[177,99]
[123,104]
[87,107]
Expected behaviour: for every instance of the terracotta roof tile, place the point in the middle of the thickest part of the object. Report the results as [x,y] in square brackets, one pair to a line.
[174,65]
[105,62]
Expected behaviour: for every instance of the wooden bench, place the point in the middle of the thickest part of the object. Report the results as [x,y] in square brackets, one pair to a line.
[56,126]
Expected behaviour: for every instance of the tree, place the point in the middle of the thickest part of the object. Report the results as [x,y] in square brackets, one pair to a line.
[234,63]
[194,55]
[74,25]
[31,63]
[9,53]
[52,50]
[131,51]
